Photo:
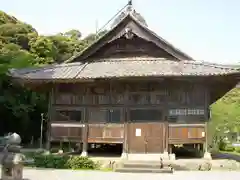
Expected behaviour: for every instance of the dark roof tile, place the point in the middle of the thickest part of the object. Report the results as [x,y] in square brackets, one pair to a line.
[124,67]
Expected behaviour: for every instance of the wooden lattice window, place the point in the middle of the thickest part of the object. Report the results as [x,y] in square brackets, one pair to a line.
[145,115]
[103,99]
[68,115]
[97,115]
[117,99]
[63,98]
[139,98]
[114,116]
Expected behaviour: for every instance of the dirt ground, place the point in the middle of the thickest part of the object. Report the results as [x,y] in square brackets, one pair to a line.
[217,164]
[191,164]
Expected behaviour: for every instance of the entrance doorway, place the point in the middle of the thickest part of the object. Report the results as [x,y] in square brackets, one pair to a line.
[145,131]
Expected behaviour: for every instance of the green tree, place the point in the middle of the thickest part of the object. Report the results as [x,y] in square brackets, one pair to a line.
[21,47]
[73,34]
[44,49]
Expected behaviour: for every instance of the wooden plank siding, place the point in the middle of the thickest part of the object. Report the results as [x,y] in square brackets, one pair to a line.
[105,133]
[183,134]
[65,134]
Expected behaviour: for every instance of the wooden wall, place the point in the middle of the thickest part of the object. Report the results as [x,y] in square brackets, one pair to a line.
[106,108]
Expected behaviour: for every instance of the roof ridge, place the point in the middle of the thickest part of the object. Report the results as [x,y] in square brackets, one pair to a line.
[209,64]
[129,59]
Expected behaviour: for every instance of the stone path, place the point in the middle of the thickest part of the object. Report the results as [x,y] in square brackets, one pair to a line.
[32,174]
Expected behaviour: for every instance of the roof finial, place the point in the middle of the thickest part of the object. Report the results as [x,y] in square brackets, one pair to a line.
[129,6]
[130,3]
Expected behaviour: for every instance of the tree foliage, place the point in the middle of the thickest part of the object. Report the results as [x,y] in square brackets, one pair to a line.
[225,120]
[21,46]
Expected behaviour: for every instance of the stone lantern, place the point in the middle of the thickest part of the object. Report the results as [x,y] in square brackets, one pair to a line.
[12,161]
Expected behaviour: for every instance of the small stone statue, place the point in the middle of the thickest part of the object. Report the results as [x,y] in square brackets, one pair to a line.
[12,161]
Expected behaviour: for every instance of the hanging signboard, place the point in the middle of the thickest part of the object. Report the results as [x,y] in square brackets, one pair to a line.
[185,112]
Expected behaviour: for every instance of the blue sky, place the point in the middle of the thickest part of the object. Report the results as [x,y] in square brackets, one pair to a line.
[207,30]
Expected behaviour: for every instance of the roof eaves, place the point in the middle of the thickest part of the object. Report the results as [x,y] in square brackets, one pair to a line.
[209,64]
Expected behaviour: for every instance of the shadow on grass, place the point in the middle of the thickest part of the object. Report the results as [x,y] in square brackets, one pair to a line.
[223,155]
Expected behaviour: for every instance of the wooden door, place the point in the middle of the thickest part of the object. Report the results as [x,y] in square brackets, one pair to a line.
[146,130]
[146,137]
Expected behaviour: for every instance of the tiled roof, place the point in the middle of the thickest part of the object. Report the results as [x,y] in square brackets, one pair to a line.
[124,67]
[116,33]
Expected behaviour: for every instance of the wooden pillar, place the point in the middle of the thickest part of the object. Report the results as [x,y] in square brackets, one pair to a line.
[126,120]
[198,147]
[125,142]
[85,134]
[207,113]
[51,98]
[166,137]
[207,155]
[206,138]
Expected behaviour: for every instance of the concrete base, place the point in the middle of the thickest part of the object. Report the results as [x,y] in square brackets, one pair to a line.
[60,151]
[84,154]
[207,156]
[165,155]
[172,156]
[147,157]
[124,155]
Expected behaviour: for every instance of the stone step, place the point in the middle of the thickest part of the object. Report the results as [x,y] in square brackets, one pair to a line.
[152,165]
[143,170]
[147,161]
[155,165]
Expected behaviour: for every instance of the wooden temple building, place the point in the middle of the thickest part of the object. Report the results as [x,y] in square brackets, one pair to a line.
[131,87]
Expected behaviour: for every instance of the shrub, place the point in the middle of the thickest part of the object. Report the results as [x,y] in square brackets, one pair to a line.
[222,145]
[51,161]
[64,162]
[78,162]
[229,148]
[237,149]
[54,150]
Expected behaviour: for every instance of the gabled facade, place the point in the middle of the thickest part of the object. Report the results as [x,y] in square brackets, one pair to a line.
[131,87]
